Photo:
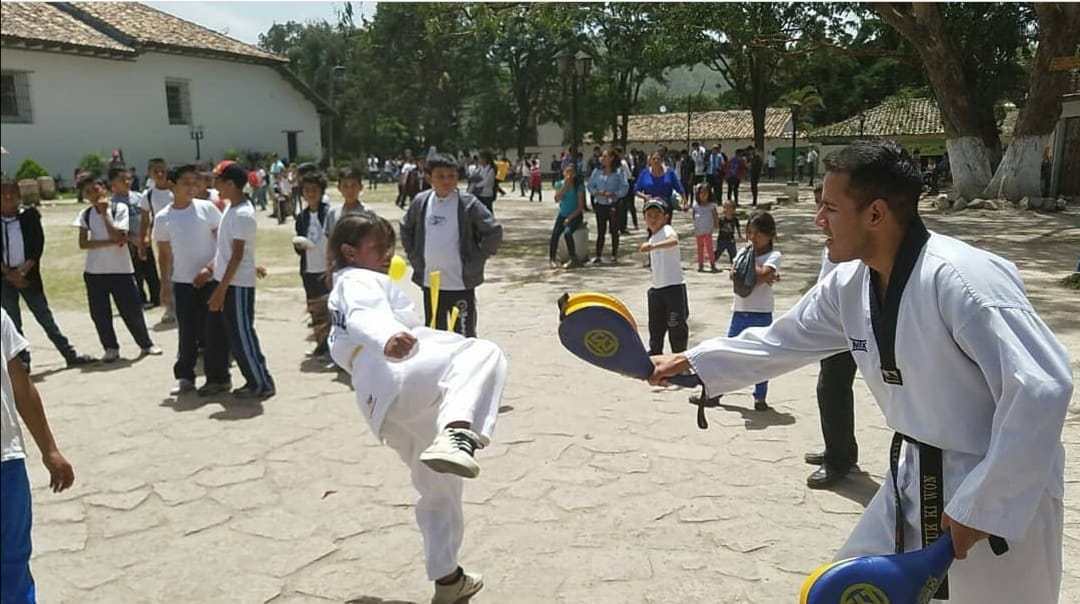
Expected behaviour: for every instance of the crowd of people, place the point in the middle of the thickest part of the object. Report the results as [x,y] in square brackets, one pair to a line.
[430,389]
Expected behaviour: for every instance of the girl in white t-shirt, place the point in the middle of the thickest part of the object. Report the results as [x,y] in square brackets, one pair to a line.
[705,222]
[756,310]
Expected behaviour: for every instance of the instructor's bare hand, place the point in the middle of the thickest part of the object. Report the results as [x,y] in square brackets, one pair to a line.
[399,345]
[667,365]
[963,537]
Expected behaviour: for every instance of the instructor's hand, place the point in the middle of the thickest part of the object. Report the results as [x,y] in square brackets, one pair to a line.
[399,345]
[963,537]
[667,365]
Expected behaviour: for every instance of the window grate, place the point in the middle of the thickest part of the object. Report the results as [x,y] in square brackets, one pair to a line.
[15,98]
[178,101]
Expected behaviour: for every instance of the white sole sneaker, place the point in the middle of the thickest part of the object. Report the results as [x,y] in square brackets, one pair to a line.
[452,453]
[458,592]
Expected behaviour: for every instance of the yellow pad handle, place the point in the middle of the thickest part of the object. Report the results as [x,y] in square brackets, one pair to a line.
[587,299]
[435,280]
[453,318]
[397,268]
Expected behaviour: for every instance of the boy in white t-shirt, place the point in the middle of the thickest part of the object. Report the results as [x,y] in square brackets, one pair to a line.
[157,197]
[103,233]
[234,270]
[19,397]
[186,236]
[668,306]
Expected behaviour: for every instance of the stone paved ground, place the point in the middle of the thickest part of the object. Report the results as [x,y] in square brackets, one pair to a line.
[597,489]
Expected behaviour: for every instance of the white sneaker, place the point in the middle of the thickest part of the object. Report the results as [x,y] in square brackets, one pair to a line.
[152,350]
[111,355]
[181,387]
[452,453]
[459,591]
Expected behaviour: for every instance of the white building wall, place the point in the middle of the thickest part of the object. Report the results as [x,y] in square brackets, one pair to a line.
[83,105]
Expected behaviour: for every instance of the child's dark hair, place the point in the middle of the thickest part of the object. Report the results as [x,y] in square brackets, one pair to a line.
[314,178]
[156,161]
[87,178]
[704,187]
[349,173]
[439,160]
[354,228]
[764,223]
[117,172]
[179,171]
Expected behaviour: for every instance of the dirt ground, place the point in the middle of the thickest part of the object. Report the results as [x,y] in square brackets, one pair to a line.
[597,488]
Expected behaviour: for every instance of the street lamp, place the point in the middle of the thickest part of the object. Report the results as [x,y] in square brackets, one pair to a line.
[794,132]
[334,73]
[576,67]
[862,123]
[196,133]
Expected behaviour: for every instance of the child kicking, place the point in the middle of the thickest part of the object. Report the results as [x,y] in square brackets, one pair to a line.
[432,396]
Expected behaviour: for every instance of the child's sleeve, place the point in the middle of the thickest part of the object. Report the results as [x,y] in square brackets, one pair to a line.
[244,228]
[369,316]
[773,260]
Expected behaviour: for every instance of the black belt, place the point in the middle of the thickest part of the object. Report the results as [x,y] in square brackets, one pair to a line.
[931,500]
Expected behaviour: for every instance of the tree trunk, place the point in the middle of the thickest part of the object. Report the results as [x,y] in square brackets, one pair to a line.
[1019,174]
[924,28]
[969,164]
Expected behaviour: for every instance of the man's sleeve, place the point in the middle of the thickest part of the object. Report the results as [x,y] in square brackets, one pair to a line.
[161,230]
[1028,372]
[121,220]
[810,331]
[14,343]
[245,227]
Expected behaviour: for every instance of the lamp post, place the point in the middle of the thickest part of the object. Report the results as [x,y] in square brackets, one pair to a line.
[862,123]
[334,72]
[196,133]
[577,67]
[794,132]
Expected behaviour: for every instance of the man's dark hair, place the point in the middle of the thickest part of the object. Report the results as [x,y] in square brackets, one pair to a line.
[880,170]
[349,173]
[314,178]
[440,160]
[117,172]
[155,161]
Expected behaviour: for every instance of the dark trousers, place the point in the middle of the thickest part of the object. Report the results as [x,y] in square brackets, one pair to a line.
[489,203]
[733,190]
[314,285]
[740,320]
[753,189]
[627,210]
[725,246]
[716,181]
[195,323]
[239,315]
[607,216]
[668,313]
[836,405]
[539,192]
[772,173]
[34,296]
[121,288]
[464,300]
[564,229]
[146,275]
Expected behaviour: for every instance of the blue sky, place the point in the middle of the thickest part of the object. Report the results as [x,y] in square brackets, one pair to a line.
[246,20]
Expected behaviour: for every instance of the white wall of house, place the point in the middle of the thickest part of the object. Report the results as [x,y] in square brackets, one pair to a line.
[83,105]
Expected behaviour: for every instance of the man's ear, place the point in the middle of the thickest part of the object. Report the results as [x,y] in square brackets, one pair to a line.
[877,213]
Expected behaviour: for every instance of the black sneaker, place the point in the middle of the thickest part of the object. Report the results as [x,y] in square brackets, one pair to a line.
[212,388]
[761,405]
[80,359]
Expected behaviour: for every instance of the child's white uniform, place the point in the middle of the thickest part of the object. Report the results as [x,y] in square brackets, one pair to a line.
[446,378]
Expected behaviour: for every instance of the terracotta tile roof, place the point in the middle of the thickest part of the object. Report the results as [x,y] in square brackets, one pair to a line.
[902,117]
[706,126]
[905,117]
[153,29]
[38,24]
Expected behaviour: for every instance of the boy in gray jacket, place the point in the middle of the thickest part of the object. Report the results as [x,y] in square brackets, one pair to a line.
[451,232]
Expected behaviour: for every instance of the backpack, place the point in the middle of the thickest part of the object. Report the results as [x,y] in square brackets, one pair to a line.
[743,273]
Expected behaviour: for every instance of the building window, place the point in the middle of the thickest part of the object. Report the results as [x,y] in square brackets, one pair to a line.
[178,101]
[15,97]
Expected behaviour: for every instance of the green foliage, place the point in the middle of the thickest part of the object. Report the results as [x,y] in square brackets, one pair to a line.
[30,169]
[94,163]
[231,154]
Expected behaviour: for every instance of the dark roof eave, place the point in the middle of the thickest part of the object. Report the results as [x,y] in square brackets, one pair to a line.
[67,48]
[206,53]
[321,104]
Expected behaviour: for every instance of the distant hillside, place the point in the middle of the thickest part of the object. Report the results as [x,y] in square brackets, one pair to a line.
[687,80]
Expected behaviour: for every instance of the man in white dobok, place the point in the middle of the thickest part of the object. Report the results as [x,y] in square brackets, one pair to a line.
[973,382]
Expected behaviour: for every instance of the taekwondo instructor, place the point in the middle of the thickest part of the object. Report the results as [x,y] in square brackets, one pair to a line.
[973,382]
